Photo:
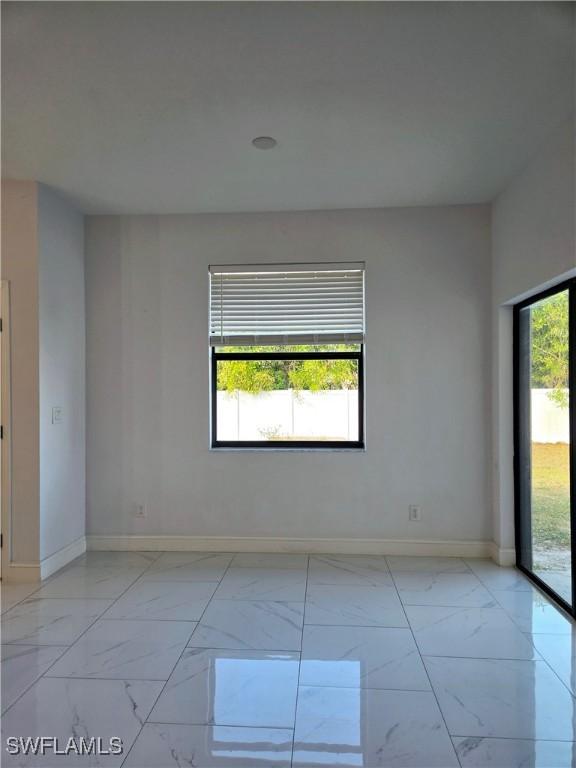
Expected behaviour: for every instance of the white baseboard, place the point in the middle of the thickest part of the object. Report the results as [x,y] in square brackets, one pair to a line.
[25,573]
[505,556]
[267,544]
[20,573]
[33,572]
[59,559]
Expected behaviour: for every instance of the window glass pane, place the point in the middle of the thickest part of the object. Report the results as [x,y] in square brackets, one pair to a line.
[550,430]
[294,400]
[545,447]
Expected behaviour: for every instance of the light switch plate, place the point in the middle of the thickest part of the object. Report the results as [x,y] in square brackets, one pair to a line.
[57,414]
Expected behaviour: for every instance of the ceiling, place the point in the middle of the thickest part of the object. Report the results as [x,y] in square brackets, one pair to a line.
[151,107]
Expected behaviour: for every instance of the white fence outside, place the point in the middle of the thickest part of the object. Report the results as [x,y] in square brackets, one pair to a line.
[333,414]
[284,413]
[550,423]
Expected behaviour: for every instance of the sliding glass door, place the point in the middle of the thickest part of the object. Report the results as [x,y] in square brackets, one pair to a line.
[545,370]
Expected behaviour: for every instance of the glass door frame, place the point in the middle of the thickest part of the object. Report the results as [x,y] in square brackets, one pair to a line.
[522,424]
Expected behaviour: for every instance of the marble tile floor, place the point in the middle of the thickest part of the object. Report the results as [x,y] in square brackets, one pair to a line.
[276,660]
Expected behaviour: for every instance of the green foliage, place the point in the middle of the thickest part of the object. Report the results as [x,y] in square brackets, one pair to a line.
[323,374]
[246,375]
[265,375]
[550,336]
[550,497]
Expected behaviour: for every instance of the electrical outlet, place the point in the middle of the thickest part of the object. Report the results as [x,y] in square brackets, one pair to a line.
[414,513]
[139,510]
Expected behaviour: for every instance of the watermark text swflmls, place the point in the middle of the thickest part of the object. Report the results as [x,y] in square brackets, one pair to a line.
[75,745]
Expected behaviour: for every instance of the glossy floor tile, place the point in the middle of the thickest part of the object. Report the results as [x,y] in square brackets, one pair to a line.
[483,633]
[560,653]
[97,559]
[362,657]
[188,566]
[402,564]
[273,584]
[79,582]
[126,649]
[246,624]
[219,687]
[79,708]
[12,594]
[270,560]
[277,660]
[475,752]
[43,621]
[448,589]
[356,570]
[510,699]
[497,578]
[533,612]
[329,604]
[22,665]
[163,600]
[206,746]
[356,727]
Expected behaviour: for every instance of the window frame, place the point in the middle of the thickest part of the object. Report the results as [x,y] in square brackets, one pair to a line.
[215,356]
[521,426]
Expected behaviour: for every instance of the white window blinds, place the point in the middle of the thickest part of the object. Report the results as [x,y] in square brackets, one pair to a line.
[282,304]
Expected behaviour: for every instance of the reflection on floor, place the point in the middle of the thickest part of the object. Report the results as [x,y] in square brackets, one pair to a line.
[196,659]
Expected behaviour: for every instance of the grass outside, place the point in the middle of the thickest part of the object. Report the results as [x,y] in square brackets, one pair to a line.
[551,496]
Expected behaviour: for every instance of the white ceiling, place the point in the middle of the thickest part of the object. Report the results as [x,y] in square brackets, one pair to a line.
[151,107]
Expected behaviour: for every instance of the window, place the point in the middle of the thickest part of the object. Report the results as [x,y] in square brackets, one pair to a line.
[287,347]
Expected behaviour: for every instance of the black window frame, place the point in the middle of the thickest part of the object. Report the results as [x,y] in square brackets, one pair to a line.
[521,416]
[216,356]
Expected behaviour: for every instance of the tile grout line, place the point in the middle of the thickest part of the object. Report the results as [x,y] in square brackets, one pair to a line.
[531,634]
[186,646]
[300,661]
[113,601]
[424,666]
[37,679]
[44,674]
[394,584]
[513,738]
[533,588]
[65,568]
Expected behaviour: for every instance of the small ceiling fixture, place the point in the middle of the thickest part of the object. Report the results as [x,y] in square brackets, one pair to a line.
[264,142]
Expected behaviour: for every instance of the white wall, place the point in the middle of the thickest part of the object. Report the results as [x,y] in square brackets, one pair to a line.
[61,313]
[534,219]
[428,319]
[533,246]
[20,268]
